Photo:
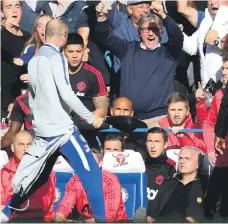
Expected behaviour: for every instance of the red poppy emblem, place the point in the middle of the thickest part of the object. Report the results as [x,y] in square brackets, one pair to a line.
[81,86]
[159,179]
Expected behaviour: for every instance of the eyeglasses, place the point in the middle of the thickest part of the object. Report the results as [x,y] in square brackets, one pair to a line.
[150,28]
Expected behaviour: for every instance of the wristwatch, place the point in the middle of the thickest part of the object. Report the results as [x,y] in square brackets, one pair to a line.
[217,42]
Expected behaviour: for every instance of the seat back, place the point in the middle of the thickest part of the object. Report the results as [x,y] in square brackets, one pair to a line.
[133,191]
[173,154]
[129,167]
[128,161]
[61,165]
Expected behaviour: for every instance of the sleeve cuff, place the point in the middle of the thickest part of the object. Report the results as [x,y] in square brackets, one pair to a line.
[91,119]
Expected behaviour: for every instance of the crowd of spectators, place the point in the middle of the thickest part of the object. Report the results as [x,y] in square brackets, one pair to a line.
[161,65]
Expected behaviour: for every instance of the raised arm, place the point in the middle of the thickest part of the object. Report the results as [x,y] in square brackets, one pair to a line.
[117,45]
[190,43]
[175,42]
[115,17]
[175,35]
[82,21]
[83,27]
[189,12]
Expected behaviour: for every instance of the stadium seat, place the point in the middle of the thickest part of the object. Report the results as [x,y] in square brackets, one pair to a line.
[130,170]
[61,165]
[173,154]
[128,161]
[62,179]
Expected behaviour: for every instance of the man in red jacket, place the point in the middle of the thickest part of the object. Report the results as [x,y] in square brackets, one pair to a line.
[207,119]
[178,117]
[75,195]
[41,203]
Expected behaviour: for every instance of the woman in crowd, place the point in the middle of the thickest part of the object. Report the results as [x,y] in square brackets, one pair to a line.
[34,43]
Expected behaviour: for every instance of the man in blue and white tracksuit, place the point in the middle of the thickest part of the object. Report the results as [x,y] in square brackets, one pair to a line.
[50,99]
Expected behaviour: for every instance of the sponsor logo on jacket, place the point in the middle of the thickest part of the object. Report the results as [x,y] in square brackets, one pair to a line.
[151,194]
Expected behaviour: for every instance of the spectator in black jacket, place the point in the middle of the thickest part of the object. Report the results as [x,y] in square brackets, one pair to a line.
[148,64]
[12,44]
[158,166]
[181,198]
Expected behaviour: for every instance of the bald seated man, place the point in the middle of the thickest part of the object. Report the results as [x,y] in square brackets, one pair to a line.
[122,106]
[41,203]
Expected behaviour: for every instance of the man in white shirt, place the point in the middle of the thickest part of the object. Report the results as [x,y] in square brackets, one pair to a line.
[207,40]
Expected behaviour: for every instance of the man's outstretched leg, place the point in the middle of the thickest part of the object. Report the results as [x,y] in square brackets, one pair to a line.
[81,159]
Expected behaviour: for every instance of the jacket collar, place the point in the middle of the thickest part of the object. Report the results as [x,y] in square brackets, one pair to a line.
[166,123]
[178,177]
[142,46]
[155,162]
[11,165]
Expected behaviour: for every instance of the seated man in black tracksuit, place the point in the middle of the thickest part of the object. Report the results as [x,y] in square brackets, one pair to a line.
[158,166]
[181,198]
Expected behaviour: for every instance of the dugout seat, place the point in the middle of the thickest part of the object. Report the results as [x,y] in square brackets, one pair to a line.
[129,167]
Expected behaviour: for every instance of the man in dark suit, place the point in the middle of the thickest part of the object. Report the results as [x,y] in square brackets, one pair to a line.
[180,198]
